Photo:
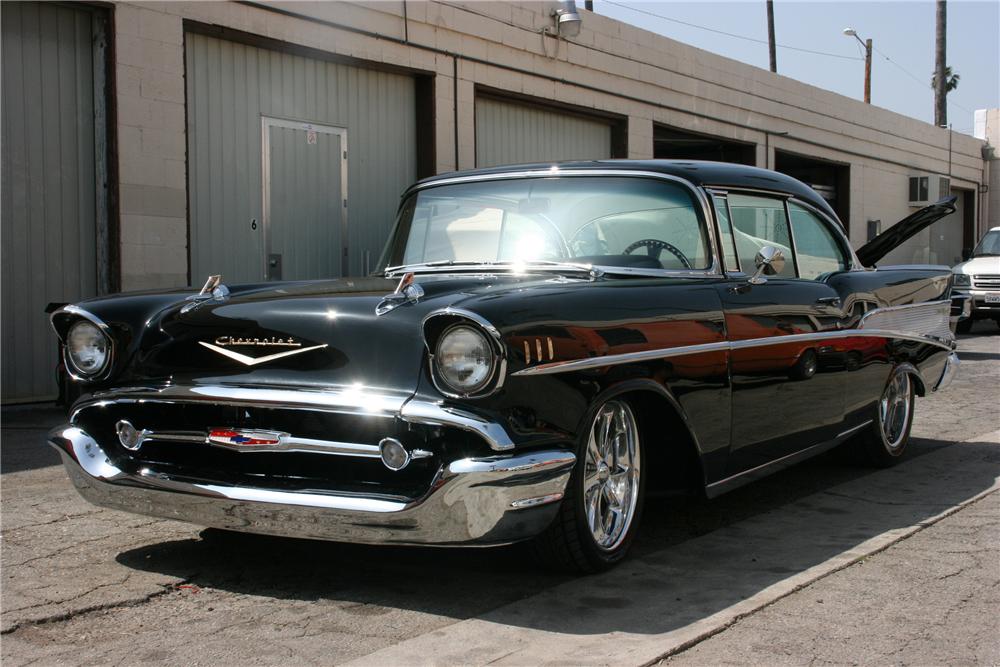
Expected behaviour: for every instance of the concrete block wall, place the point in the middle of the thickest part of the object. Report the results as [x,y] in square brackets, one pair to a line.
[610,67]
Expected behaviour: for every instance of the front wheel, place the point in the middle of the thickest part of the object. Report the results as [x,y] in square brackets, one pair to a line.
[599,515]
[883,442]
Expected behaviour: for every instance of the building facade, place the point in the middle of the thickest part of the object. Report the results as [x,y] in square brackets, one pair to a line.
[147,145]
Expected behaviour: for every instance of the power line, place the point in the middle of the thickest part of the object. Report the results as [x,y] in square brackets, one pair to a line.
[729,34]
[913,76]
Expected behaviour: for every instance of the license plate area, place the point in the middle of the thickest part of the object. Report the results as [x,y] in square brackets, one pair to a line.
[992,298]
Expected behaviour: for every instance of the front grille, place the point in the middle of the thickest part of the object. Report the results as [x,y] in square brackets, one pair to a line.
[288,471]
[986,282]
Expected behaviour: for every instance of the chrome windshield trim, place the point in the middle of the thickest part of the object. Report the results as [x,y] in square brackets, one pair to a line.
[684,350]
[554,171]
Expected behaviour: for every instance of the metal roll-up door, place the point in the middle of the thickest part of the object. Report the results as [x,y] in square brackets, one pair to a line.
[53,184]
[512,133]
[242,98]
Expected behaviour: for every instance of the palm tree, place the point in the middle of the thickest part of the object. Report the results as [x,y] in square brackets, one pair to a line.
[950,80]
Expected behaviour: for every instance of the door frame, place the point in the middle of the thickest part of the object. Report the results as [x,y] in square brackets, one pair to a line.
[266,123]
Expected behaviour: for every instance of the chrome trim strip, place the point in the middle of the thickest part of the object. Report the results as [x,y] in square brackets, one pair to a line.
[616,359]
[343,401]
[286,443]
[740,478]
[477,500]
[666,353]
[951,367]
[434,414]
[715,270]
[849,431]
[347,400]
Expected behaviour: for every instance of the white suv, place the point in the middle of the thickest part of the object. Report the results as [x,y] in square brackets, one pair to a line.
[979,278]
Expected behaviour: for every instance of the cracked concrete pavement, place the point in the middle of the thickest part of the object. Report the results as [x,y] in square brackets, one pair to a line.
[85,585]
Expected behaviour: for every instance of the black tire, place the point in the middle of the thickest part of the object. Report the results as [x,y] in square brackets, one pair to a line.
[964,326]
[569,543]
[805,366]
[874,446]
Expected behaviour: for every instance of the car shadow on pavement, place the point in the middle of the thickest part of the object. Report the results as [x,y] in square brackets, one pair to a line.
[692,558]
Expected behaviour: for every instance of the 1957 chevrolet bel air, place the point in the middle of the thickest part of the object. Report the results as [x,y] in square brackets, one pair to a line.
[540,346]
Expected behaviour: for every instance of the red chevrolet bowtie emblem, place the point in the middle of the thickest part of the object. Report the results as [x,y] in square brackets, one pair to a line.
[225,436]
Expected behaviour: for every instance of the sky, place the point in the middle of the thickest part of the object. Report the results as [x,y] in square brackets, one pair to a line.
[902,33]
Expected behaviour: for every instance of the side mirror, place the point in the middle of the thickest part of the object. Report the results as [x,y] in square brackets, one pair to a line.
[769,261]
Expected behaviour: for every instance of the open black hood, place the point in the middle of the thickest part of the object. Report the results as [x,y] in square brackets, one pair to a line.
[882,244]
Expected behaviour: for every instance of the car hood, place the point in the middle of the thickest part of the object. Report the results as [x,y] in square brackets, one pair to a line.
[892,238]
[318,333]
[979,266]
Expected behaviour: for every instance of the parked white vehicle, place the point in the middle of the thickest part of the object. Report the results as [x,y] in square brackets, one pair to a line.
[979,279]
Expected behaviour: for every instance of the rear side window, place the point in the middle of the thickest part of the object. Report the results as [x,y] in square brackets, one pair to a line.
[759,222]
[817,251]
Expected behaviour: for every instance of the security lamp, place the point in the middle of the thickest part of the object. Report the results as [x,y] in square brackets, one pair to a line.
[850,32]
[567,19]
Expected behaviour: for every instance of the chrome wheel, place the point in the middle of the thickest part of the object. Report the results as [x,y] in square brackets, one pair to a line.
[611,474]
[894,410]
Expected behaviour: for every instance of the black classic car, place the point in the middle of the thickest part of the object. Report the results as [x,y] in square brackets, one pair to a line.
[540,347]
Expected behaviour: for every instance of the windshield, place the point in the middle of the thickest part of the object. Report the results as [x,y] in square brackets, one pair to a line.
[604,221]
[989,246]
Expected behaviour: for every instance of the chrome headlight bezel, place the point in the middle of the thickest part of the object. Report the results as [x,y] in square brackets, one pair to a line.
[438,326]
[961,280]
[65,321]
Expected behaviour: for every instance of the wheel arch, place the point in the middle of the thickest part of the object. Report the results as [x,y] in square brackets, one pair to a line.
[671,467]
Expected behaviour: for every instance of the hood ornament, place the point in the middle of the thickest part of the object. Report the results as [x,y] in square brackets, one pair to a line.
[212,290]
[407,291]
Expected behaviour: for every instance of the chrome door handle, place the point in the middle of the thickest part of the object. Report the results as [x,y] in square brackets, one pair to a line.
[829,300]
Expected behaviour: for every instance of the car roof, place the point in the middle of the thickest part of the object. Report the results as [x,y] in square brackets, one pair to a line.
[697,172]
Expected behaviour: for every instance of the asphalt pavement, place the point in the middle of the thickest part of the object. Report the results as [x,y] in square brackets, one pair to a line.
[824,562]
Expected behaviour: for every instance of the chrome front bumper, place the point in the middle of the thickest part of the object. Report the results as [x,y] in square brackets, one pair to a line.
[492,500]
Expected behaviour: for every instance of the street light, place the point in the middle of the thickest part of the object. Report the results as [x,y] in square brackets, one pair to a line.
[851,32]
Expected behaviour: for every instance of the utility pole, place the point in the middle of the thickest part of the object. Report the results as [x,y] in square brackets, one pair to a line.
[851,32]
[770,36]
[868,71]
[940,55]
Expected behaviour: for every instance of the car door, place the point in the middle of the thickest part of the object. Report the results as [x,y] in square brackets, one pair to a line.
[788,379]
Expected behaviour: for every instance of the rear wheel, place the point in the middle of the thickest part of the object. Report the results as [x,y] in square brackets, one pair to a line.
[883,442]
[599,515]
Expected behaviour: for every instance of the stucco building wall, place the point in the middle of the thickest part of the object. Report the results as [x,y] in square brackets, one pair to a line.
[610,67]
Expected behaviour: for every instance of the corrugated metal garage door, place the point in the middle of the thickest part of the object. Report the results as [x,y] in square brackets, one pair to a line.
[231,87]
[513,133]
[49,185]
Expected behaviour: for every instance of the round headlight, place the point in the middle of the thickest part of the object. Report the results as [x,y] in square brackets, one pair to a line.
[87,349]
[464,359]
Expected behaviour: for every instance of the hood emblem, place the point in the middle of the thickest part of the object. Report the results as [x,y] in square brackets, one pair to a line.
[223,342]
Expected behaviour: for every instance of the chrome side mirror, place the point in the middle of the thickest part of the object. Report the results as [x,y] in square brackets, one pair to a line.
[769,261]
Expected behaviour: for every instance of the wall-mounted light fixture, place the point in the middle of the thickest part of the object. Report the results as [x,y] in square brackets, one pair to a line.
[567,19]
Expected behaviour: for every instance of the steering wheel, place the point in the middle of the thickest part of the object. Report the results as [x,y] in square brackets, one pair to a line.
[655,247]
